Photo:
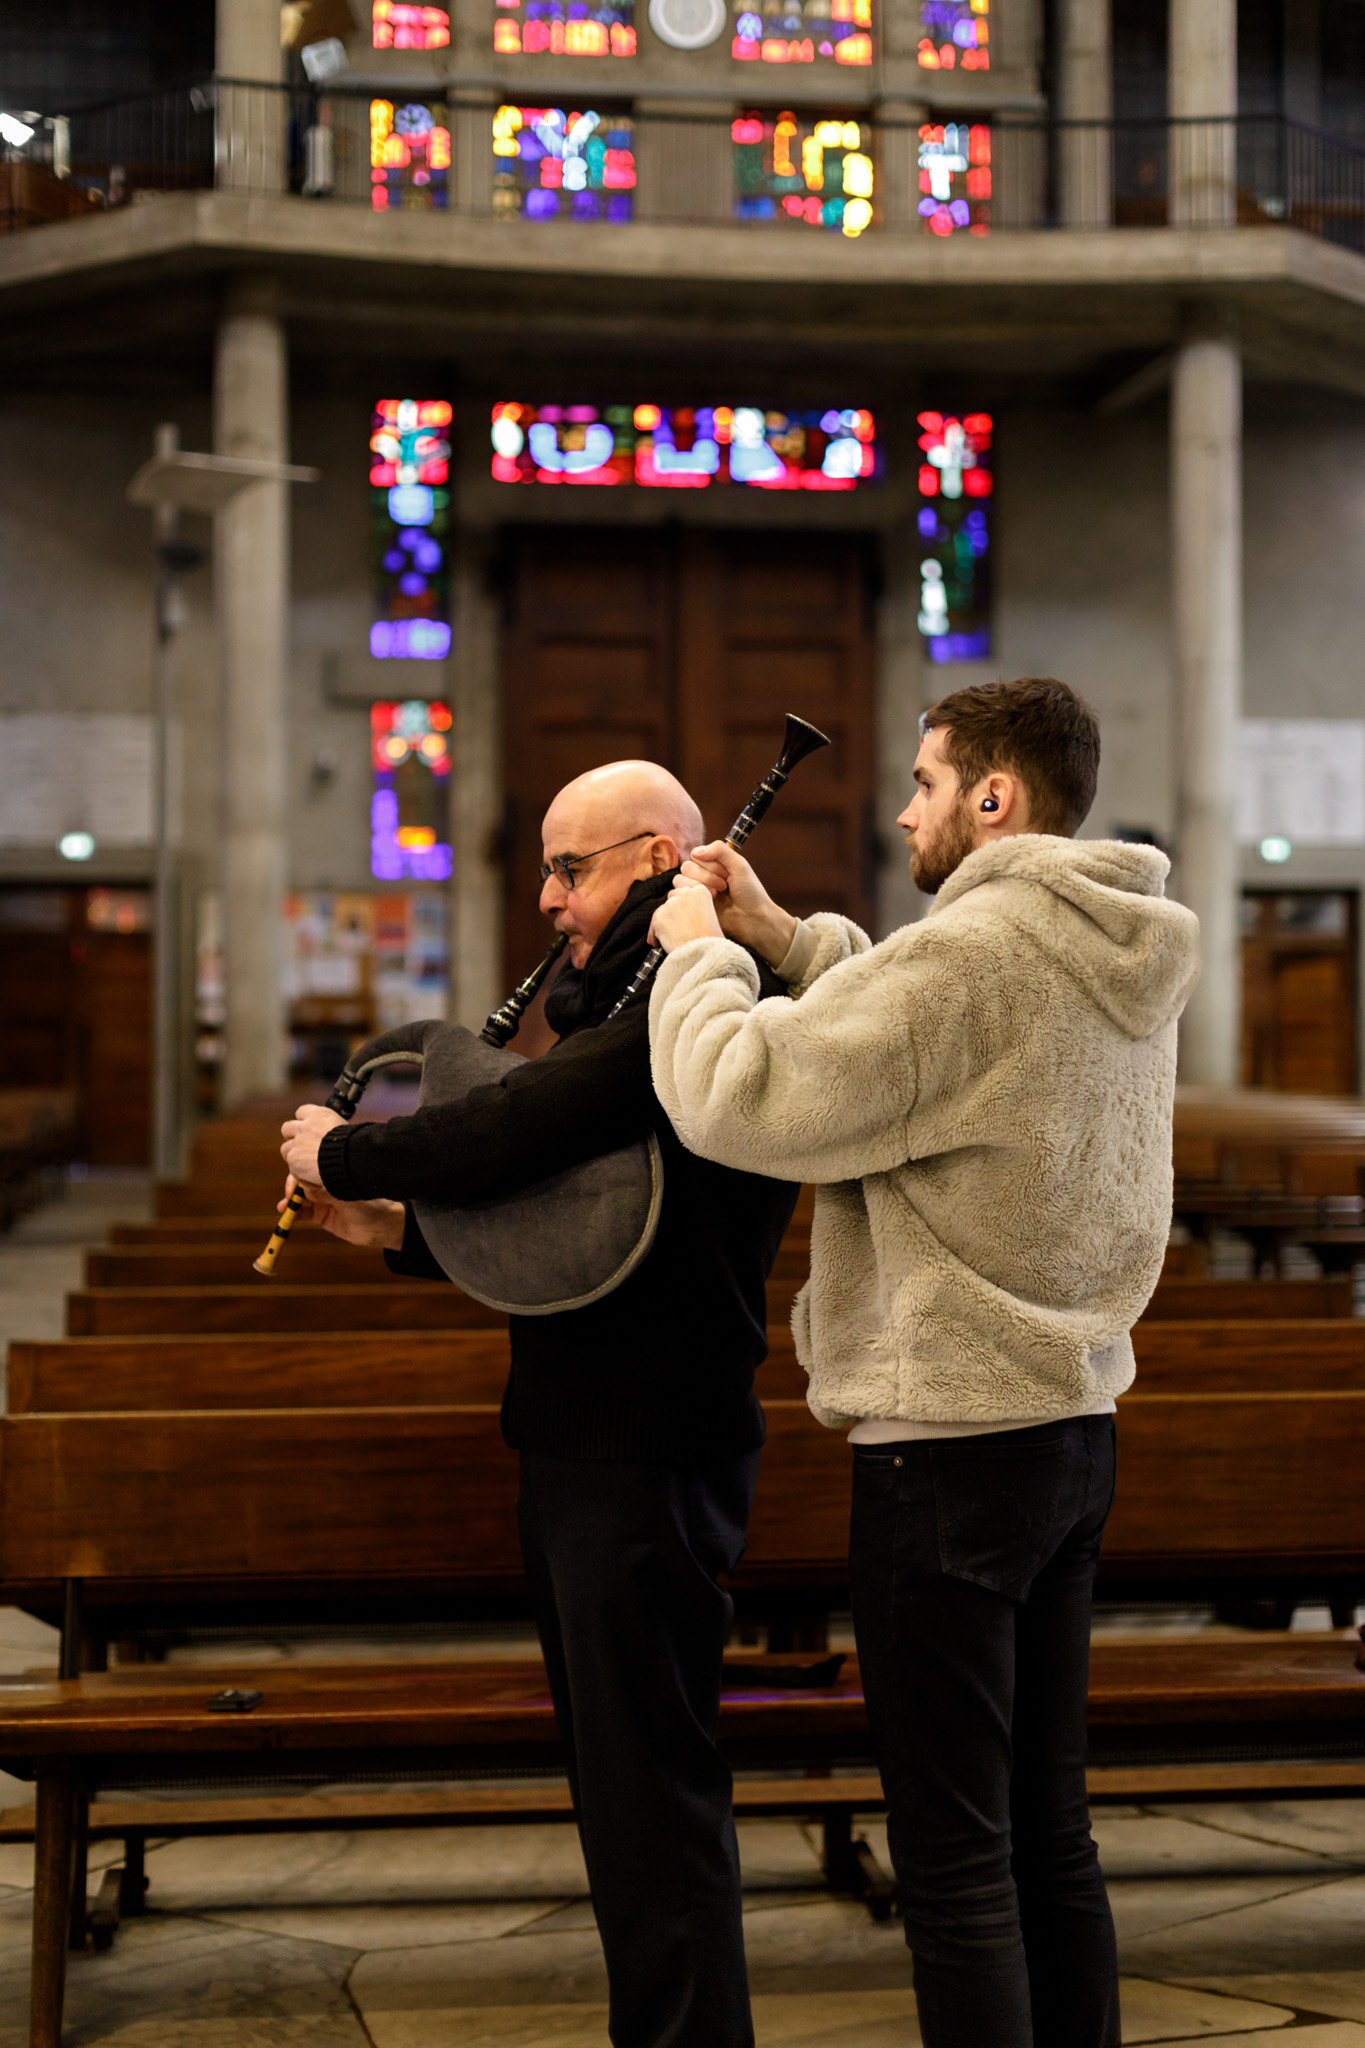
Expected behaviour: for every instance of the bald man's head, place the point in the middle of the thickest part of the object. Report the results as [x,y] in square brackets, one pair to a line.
[635,802]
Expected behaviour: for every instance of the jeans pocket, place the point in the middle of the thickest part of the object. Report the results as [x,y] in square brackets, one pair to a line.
[1003,1509]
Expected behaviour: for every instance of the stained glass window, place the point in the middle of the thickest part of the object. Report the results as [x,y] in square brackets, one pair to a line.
[955,177]
[683,447]
[409,807]
[955,35]
[954,535]
[802,169]
[550,162]
[564,28]
[397,26]
[803,31]
[409,156]
[410,528]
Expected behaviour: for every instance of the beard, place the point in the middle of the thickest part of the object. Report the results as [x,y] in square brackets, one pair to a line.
[933,860]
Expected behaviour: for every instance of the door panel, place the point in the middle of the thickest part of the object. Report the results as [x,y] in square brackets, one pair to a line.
[689,648]
[1299,1019]
[78,1014]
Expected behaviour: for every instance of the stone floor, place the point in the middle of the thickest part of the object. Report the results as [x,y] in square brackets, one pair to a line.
[1238,1924]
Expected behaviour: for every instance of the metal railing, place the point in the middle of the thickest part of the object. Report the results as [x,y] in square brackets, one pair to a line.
[958,176]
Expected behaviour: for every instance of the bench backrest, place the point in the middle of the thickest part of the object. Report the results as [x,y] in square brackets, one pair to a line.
[1236,1479]
[1250,1357]
[1216,1301]
[426,1368]
[338,1369]
[303,1262]
[274,1306]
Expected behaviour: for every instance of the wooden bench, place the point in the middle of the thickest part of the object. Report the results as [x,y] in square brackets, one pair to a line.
[274,1306]
[340,1369]
[1198,1301]
[357,1369]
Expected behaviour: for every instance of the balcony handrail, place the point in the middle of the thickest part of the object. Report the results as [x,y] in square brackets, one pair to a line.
[1038,173]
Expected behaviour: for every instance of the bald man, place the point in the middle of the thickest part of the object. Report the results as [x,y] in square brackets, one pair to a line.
[635,1418]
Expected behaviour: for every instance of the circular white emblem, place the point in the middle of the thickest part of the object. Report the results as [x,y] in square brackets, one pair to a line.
[687,24]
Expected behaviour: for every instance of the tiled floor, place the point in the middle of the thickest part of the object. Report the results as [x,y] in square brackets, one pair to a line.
[1238,1924]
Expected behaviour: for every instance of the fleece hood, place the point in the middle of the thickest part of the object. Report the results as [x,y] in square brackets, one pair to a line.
[1097,907]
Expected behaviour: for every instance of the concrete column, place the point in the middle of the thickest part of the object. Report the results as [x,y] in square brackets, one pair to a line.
[1086,94]
[1202,74]
[1206,620]
[476,797]
[684,160]
[251,604]
[895,157]
[249,141]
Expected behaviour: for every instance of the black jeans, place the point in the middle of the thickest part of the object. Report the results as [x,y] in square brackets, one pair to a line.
[972,1565]
[623,1562]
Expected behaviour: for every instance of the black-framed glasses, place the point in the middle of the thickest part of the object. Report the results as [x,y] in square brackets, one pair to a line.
[562,865]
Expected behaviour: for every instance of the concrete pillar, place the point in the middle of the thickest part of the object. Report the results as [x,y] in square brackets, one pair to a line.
[251,605]
[1086,95]
[1206,621]
[895,157]
[684,160]
[1202,89]
[249,139]
[476,796]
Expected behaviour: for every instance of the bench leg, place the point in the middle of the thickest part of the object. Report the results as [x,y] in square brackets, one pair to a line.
[80,1868]
[51,1908]
[133,1882]
[851,1867]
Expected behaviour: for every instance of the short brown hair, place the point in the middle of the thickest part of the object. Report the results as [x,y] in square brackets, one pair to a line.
[1036,726]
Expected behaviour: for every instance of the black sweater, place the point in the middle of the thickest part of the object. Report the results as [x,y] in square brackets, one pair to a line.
[663,1368]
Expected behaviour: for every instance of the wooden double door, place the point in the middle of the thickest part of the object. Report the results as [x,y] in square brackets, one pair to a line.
[76,971]
[688,648]
[1300,1022]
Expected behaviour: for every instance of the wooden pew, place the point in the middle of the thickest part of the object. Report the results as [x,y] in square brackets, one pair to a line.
[356,1369]
[303,1262]
[98,1498]
[1195,1301]
[274,1306]
[338,1369]
[1250,1357]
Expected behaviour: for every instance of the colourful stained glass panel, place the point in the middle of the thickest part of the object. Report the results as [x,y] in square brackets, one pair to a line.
[955,35]
[410,798]
[410,528]
[955,177]
[552,163]
[802,31]
[564,28]
[683,447]
[800,169]
[409,156]
[397,26]
[955,484]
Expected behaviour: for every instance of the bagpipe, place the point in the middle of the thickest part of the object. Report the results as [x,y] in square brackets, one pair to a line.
[570,1239]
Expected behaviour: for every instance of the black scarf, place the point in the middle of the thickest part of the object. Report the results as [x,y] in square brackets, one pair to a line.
[585,995]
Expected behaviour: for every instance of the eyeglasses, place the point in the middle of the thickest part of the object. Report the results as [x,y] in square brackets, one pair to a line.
[562,865]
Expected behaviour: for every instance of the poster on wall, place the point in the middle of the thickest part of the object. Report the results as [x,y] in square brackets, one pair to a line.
[1303,780]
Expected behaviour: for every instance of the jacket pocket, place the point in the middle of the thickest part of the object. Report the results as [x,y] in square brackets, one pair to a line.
[1002,1509]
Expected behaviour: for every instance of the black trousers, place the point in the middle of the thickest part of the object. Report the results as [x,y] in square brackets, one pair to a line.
[972,1565]
[623,1561]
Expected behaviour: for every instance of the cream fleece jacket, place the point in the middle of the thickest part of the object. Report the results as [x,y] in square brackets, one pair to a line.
[984,1103]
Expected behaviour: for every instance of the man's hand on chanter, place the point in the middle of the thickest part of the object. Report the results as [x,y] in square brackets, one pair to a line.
[746,911]
[376,1225]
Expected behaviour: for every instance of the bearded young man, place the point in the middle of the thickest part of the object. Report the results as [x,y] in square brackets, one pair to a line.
[984,1103]
[634,1418]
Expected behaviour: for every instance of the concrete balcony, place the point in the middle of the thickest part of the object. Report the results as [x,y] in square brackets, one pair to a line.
[488,224]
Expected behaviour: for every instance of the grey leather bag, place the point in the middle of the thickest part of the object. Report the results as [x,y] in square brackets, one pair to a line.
[559,1244]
